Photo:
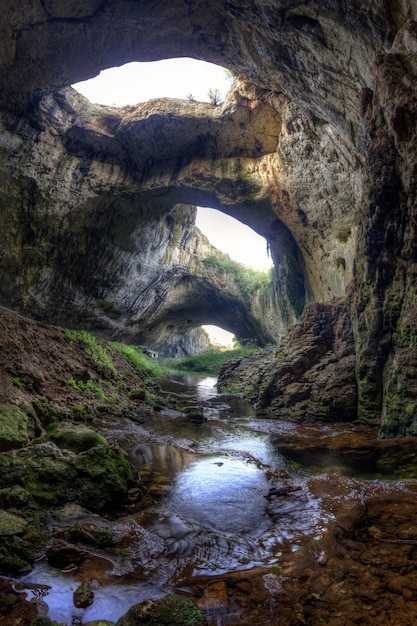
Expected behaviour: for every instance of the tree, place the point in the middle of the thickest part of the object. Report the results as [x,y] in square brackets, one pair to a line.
[214,96]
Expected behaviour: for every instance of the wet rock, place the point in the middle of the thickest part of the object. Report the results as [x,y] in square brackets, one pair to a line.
[13,428]
[214,597]
[83,596]
[90,534]
[97,478]
[64,555]
[11,524]
[172,610]
[74,437]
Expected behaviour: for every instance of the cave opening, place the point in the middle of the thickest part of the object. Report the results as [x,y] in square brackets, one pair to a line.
[182,78]
[242,244]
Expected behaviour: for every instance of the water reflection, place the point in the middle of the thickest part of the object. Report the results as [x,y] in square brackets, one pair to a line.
[223,495]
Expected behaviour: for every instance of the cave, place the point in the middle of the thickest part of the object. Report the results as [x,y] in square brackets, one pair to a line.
[313,148]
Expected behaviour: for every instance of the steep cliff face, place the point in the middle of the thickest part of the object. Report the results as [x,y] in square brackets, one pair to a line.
[316,153]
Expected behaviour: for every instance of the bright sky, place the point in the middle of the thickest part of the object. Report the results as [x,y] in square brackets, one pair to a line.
[179,78]
[139,82]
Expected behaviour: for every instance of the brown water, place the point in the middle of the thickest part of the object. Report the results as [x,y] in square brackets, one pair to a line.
[204,511]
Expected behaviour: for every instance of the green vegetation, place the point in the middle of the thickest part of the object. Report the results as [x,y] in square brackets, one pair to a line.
[98,389]
[144,364]
[17,382]
[249,280]
[214,96]
[172,610]
[208,363]
[91,347]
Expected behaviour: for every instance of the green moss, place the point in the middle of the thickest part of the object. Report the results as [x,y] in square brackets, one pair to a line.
[109,468]
[93,349]
[369,394]
[13,427]
[169,611]
[75,437]
[11,524]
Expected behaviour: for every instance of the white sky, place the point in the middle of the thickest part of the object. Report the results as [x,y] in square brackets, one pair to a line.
[139,82]
[177,78]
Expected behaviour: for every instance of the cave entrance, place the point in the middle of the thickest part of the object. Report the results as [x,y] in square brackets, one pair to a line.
[182,78]
[242,244]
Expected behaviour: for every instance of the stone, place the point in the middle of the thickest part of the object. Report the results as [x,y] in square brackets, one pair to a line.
[13,428]
[11,524]
[74,437]
[83,596]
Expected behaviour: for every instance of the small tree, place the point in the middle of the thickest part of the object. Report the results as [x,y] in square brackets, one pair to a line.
[214,96]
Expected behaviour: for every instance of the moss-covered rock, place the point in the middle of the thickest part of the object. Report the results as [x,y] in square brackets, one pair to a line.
[98,478]
[74,437]
[11,524]
[13,428]
[14,497]
[20,544]
[169,611]
[105,477]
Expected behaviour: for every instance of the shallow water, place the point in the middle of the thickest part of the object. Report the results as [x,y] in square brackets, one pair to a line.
[209,480]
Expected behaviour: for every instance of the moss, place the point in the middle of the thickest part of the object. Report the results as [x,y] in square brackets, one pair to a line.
[13,428]
[74,437]
[369,393]
[110,468]
[169,611]
[11,524]
[14,497]
[48,412]
[93,349]
[20,544]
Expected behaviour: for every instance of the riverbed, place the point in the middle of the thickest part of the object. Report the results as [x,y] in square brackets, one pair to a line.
[207,525]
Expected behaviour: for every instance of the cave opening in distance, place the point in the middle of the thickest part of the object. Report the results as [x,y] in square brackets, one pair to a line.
[241,243]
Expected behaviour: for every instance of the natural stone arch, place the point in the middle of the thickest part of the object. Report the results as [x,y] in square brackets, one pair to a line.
[86,215]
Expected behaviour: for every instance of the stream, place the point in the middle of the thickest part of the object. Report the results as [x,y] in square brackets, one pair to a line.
[205,474]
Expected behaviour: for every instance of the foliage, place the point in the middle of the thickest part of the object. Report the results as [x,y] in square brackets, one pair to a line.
[209,362]
[144,364]
[96,388]
[249,279]
[214,96]
[229,76]
[93,349]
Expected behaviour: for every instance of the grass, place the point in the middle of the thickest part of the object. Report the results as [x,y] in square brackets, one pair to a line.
[208,363]
[144,364]
[91,347]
